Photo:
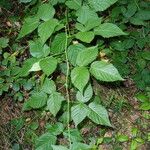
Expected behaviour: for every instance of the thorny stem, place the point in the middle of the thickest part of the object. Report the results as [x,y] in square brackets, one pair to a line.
[67,79]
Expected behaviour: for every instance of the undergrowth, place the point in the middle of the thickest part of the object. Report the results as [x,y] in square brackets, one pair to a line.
[65,64]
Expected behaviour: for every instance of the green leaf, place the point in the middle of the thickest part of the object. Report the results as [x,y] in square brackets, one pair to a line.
[55,129]
[46,50]
[86,95]
[145,106]
[49,86]
[104,71]
[25,1]
[45,141]
[48,65]
[80,77]
[80,146]
[85,13]
[108,30]
[137,21]
[142,97]
[74,4]
[122,138]
[76,112]
[86,56]
[37,100]
[101,5]
[85,36]
[98,114]
[54,102]
[58,44]
[59,147]
[29,25]
[73,51]
[34,125]
[24,71]
[46,29]
[146,55]
[142,14]
[131,10]
[46,12]
[134,145]
[17,123]
[74,135]
[36,48]
[3,42]
[90,25]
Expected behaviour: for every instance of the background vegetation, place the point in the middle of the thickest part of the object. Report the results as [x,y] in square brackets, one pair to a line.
[74,74]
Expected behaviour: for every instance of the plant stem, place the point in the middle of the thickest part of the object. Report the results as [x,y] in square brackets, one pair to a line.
[67,79]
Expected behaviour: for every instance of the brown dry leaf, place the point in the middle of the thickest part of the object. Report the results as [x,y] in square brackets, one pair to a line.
[108,134]
[102,54]
[8,24]
[105,59]
[42,123]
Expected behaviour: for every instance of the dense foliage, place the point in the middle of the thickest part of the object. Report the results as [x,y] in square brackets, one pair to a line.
[60,50]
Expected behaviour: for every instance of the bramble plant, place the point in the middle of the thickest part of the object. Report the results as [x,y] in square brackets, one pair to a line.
[64,38]
[73,40]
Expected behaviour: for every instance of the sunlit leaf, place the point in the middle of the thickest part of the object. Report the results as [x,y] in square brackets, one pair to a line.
[104,71]
[86,95]
[98,114]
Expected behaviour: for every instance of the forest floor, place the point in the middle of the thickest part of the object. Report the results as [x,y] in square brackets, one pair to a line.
[130,123]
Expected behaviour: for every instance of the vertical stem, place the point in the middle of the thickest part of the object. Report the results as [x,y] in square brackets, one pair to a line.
[67,80]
